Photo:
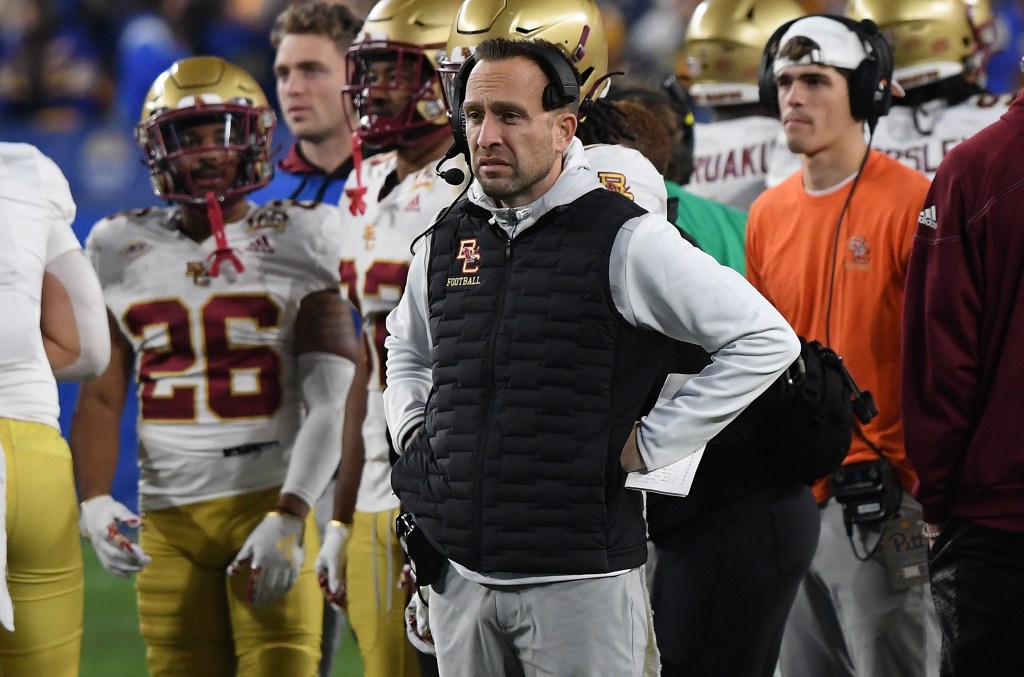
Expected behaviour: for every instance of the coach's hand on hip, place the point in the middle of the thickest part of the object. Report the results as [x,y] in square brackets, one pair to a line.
[630,457]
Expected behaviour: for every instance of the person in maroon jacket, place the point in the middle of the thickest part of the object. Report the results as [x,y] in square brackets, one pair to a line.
[963,366]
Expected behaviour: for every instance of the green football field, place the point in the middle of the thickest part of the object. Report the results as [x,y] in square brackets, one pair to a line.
[112,647]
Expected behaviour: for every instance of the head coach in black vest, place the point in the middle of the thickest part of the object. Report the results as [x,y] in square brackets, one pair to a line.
[521,361]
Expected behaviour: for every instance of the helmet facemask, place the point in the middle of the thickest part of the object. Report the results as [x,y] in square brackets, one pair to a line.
[175,153]
[381,74]
[206,130]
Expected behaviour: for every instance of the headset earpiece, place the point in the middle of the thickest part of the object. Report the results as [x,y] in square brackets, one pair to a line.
[563,88]
[870,91]
[869,84]
[767,91]
[457,118]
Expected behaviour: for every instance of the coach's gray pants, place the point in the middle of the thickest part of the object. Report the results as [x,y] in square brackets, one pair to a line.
[595,627]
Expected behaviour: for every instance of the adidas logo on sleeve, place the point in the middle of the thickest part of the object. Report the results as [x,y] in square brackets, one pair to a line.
[928,218]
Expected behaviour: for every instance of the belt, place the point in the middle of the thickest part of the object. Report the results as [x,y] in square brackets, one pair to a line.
[243,449]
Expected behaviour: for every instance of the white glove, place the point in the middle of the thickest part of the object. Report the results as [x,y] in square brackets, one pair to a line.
[330,563]
[100,521]
[274,553]
[417,623]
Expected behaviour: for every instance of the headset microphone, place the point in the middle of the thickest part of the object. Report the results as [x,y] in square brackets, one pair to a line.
[453,176]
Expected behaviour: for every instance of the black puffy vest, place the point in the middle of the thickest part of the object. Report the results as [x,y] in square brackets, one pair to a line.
[537,381]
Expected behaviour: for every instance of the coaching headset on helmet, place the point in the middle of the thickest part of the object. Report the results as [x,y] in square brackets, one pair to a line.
[856,47]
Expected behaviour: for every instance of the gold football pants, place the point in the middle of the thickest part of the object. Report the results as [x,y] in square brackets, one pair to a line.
[194,617]
[44,554]
[376,606]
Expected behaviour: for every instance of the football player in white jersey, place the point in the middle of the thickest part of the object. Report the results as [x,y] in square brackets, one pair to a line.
[228,315]
[389,200]
[54,326]
[723,47]
[939,55]
[578,28]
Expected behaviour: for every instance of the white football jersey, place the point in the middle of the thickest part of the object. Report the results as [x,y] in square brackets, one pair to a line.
[374,266]
[36,211]
[214,358]
[731,159]
[627,171]
[917,137]
[939,129]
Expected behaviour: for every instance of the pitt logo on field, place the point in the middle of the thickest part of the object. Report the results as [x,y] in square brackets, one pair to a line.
[469,254]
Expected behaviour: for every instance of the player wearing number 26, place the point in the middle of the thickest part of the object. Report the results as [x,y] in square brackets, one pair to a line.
[229,317]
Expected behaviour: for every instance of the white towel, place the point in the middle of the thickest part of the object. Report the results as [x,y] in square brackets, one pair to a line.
[652,657]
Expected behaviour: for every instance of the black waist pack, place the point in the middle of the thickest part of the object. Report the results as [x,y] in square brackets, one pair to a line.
[869,491]
[819,399]
[426,562]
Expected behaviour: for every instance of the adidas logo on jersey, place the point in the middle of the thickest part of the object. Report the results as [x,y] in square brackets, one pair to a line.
[414,204]
[260,245]
[928,218]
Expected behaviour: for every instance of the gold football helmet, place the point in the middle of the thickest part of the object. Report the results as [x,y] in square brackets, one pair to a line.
[576,26]
[724,43]
[930,40]
[205,90]
[408,35]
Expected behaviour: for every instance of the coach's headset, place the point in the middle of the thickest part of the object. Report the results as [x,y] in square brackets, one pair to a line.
[870,83]
[562,89]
